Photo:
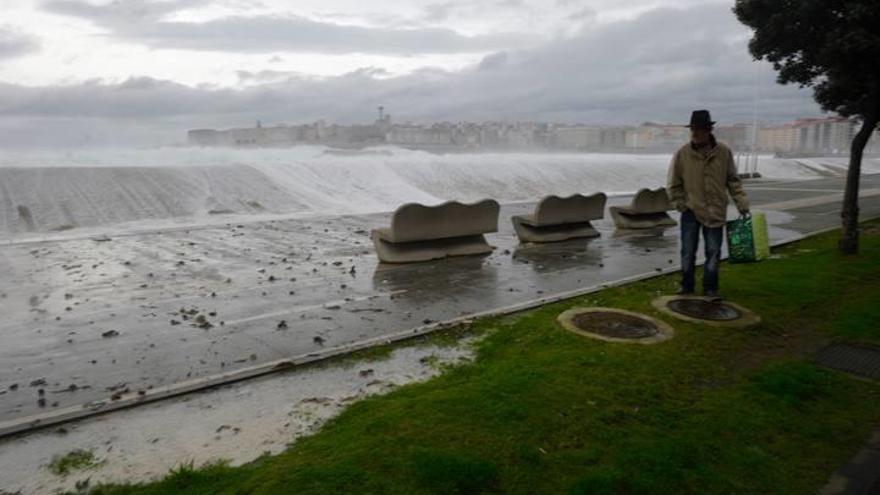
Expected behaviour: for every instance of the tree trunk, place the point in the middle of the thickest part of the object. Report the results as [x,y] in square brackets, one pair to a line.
[849,241]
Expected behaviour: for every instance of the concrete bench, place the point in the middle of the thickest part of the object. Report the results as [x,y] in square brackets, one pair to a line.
[647,210]
[558,219]
[422,233]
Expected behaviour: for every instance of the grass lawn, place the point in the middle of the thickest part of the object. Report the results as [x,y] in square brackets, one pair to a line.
[541,410]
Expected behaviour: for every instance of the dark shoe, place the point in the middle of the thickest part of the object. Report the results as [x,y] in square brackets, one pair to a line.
[712,295]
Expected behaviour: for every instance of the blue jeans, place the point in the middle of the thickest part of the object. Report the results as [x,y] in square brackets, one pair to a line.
[690,240]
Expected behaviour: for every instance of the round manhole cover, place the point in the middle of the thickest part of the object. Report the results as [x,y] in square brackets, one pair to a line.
[615,325]
[704,310]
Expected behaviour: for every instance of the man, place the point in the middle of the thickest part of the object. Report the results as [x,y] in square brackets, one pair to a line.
[701,175]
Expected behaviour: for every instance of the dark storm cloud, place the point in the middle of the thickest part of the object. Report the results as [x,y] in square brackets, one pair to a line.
[14,43]
[656,67]
[142,21]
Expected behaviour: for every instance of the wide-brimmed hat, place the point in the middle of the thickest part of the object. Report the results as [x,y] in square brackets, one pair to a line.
[701,118]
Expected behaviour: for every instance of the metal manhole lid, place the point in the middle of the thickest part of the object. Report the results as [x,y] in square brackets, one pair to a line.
[725,314]
[704,310]
[855,359]
[615,325]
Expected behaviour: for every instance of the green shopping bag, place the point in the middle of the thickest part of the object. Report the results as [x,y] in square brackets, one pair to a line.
[747,238]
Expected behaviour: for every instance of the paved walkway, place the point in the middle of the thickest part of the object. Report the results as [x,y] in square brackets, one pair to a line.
[97,325]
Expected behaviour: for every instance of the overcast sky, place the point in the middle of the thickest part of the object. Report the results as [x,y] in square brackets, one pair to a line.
[77,72]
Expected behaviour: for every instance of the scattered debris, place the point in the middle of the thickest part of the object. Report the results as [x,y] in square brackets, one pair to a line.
[116,387]
[202,322]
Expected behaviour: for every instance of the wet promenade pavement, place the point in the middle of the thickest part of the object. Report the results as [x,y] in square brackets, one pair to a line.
[93,323]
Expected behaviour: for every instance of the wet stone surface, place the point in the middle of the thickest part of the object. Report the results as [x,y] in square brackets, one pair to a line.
[87,310]
[615,325]
[704,310]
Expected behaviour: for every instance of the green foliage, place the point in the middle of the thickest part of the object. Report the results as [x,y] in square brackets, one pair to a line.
[832,46]
[187,478]
[603,480]
[447,473]
[857,319]
[793,382]
[342,477]
[75,460]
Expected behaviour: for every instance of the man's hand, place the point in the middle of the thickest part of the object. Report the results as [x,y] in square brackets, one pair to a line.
[744,211]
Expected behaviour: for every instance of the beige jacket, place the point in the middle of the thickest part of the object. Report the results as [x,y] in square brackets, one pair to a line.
[701,183]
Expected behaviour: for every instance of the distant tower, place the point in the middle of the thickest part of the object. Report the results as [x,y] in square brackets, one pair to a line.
[259,124]
[381,113]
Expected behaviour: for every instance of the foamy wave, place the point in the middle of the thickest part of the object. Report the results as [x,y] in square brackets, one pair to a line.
[46,191]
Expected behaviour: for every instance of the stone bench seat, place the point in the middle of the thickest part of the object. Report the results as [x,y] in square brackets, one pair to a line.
[422,233]
[561,218]
[647,210]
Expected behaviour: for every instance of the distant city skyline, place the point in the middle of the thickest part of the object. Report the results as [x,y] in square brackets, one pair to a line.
[76,72]
[829,135]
